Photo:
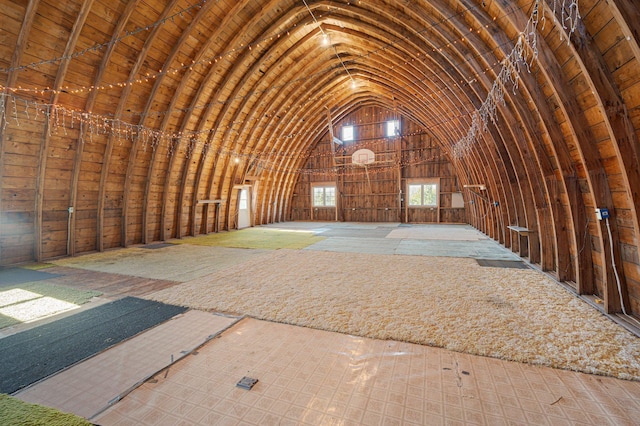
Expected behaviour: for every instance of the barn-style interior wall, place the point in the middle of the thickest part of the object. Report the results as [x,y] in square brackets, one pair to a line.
[130,121]
[379,191]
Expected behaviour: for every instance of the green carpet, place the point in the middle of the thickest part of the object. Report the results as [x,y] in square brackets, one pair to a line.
[256,238]
[67,294]
[16,412]
[32,355]
[6,321]
[37,266]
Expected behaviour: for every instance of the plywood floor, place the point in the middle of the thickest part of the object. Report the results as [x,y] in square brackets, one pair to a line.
[313,377]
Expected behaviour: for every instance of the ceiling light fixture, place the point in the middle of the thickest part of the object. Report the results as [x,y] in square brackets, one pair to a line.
[326,37]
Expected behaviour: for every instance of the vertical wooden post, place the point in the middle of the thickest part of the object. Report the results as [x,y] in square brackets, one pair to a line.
[46,139]
[335,166]
[399,140]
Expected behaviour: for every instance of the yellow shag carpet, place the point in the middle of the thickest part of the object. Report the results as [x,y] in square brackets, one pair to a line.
[453,303]
[14,412]
[256,238]
[36,266]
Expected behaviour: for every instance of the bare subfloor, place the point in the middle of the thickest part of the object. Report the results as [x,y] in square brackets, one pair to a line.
[185,371]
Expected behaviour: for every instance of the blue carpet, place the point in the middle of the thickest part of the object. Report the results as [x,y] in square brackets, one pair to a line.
[11,276]
[34,354]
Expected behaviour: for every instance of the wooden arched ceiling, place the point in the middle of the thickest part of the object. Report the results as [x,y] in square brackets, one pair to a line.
[133,111]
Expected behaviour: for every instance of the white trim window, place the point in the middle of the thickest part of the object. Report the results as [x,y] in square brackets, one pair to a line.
[323,195]
[348,133]
[423,194]
[392,129]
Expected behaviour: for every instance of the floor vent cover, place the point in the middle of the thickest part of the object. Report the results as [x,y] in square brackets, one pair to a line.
[513,264]
[246,383]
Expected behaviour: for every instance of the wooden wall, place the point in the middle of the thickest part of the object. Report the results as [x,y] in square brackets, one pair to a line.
[378,192]
[144,116]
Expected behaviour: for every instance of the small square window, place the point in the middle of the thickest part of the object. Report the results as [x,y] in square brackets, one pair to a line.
[324,196]
[347,133]
[393,128]
[423,195]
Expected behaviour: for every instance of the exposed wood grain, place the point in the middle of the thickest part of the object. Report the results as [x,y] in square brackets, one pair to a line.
[253,82]
[75,32]
[27,18]
[111,285]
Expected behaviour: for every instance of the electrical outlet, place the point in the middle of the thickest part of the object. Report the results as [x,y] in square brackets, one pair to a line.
[602,213]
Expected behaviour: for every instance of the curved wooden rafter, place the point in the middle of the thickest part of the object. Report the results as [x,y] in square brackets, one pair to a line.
[133,153]
[75,32]
[251,80]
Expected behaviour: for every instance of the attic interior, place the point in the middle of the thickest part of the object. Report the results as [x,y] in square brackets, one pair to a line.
[127,123]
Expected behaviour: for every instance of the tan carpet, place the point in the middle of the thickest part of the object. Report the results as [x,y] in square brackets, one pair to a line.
[175,262]
[255,238]
[453,303]
[442,232]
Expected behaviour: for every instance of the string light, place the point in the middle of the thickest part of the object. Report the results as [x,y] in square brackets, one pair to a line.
[61,117]
[569,15]
[350,169]
[110,43]
[325,38]
[64,119]
[523,54]
[208,61]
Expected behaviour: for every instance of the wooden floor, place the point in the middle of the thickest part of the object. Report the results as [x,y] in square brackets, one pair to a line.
[112,286]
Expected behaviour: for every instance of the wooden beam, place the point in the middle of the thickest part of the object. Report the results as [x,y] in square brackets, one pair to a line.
[626,144]
[335,165]
[12,76]
[135,146]
[175,51]
[627,15]
[44,149]
[106,163]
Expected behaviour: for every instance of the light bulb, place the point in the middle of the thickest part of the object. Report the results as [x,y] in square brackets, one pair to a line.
[325,39]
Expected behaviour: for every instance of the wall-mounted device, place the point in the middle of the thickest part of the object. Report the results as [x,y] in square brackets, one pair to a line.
[602,214]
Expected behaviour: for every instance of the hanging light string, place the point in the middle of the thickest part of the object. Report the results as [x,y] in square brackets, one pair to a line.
[107,118]
[209,61]
[146,131]
[13,110]
[149,75]
[566,17]
[179,14]
[523,54]
[154,137]
[121,129]
[325,35]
